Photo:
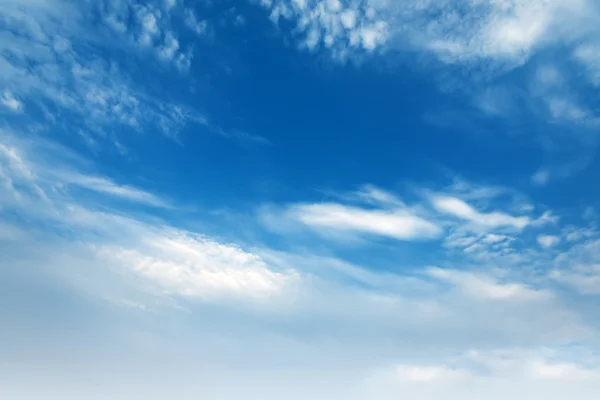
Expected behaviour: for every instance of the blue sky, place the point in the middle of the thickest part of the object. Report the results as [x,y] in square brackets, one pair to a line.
[359,199]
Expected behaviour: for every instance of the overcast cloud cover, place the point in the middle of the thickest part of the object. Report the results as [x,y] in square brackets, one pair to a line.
[266,199]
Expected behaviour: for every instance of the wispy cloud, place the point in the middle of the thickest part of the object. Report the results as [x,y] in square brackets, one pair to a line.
[169,259]
[587,55]
[585,279]
[389,217]
[107,186]
[162,260]
[458,208]
[397,224]
[486,287]
[382,318]
[578,267]
[122,279]
[29,167]
[72,74]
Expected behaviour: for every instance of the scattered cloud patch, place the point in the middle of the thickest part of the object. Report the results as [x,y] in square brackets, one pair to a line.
[9,101]
[83,92]
[342,28]
[199,27]
[151,31]
[461,31]
[548,241]
[579,266]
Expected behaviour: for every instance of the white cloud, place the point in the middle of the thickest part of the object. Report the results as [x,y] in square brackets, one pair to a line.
[486,288]
[486,248]
[397,223]
[152,30]
[548,241]
[341,27]
[554,90]
[575,234]
[457,31]
[458,208]
[160,259]
[17,176]
[569,371]
[585,279]
[9,101]
[192,22]
[270,309]
[78,90]
[148,21]
[563,108]
[429,374]
[547,373]
[296,317]
[371,211]
[545,219]
[579,266]
[371,194]
[506,31]
[349,18]
[38,169]
[492,238]
[588,55]
[107,186]
[168,51]
[199,267]
[490,37]
[175,261]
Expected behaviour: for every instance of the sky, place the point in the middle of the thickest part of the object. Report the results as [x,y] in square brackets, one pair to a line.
[266,199]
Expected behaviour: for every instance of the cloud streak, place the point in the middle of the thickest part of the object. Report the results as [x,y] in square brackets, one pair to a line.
[397,224]
[460,209]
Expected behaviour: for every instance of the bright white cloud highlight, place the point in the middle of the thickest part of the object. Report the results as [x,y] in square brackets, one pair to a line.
[342,28]
[190,266]
[397,224]
[458,208]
